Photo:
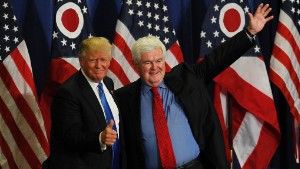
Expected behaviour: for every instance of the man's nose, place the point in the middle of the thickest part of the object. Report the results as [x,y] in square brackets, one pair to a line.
[98,63]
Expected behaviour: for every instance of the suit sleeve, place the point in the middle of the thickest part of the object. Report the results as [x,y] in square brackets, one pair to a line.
[223,56]
[67,123]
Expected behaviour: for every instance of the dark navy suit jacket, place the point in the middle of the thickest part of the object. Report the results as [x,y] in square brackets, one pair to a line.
[189,84]
[77,120]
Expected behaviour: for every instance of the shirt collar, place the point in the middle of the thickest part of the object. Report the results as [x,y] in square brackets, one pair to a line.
[93,84]
[145,88]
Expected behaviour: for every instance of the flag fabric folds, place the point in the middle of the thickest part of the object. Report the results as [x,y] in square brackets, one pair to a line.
[140,18]
[255,131]
[72,24]
[285,59]
[23,139]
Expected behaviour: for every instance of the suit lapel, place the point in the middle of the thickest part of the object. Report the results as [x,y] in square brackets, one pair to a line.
[135,112]
[92,100]
[109,85]
[180,89]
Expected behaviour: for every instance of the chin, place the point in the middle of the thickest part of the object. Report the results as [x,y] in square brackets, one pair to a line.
[97,79]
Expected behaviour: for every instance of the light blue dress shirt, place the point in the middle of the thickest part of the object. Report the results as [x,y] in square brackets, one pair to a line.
[183,142]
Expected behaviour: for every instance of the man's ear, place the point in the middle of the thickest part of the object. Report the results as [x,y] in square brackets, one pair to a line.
[136,67]
[80,59]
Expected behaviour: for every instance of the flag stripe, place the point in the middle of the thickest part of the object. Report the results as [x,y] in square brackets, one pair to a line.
[7,154]
[23,125]
[272,144]
[246,137]
[265,103]
[288,42]
[284,60]
[24,73]
[123,31]
[170,58]
[24,65]
[176,51]
[259,80]
[72,61]
[221,106]
[168,68]
[284,64]
[57,67]
[22,105]
[289,29]
[238,115]
[117,82]
[118,71]
[130,72]
[286,87]
[288,48]
[22,133]
[121,44]
[19,138]
[18,156]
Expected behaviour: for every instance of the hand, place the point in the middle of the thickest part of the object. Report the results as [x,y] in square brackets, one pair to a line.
[109,136]
[258,21]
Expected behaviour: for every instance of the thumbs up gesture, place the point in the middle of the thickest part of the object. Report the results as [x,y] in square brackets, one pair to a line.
[109,136]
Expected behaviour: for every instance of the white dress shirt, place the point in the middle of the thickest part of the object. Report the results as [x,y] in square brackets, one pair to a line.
[113,106]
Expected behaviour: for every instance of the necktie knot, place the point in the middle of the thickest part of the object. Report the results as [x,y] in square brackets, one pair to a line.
[100,87]
[155,90]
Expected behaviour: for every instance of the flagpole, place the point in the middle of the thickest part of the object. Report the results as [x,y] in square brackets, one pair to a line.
[230,140]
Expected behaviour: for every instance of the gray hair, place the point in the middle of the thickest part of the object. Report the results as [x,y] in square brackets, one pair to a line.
[146,44]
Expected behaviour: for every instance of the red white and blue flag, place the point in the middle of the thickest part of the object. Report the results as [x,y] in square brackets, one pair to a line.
[23,139]
[71,25]
[255,129]
[140,18]
[285,60]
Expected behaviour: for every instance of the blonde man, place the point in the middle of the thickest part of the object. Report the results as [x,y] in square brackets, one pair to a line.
[86,129]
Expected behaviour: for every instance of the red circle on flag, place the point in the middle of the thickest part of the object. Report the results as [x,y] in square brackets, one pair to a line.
[232,20]
[70,20]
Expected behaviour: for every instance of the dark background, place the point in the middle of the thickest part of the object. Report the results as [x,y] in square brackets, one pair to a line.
[35,18]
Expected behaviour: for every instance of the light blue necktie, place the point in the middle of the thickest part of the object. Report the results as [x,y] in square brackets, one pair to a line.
[109,117]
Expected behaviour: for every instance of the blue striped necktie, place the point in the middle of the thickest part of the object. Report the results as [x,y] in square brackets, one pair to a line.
[109,116]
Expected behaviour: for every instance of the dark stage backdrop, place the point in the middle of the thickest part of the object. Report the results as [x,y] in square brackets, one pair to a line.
[35,18]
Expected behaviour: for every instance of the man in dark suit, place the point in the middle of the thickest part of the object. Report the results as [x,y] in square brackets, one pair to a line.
[86,130]
[193,128]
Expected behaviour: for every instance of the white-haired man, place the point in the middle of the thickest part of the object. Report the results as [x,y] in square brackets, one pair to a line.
[169,119]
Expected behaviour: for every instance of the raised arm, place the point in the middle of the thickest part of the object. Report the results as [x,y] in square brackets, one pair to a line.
[225,54]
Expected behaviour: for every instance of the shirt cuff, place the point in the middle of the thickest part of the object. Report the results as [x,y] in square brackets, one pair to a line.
[102,146]
[250,36]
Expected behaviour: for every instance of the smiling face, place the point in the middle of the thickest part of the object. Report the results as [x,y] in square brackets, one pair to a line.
[152,67]
[95,65]
[94,57]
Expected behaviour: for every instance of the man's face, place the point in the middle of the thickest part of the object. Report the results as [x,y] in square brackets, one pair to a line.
[95,65]
[152,67]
